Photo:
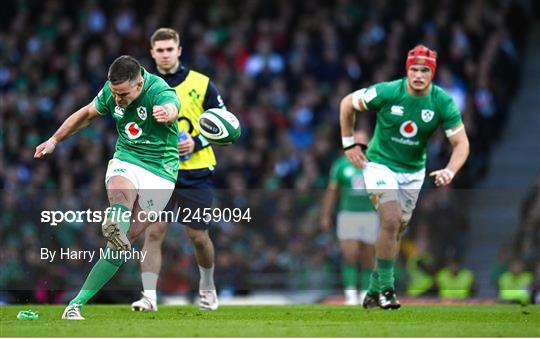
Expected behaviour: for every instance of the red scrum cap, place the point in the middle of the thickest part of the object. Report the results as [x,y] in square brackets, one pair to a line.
[421,55]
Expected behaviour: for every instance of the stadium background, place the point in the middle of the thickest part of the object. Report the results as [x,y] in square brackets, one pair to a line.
[282,68]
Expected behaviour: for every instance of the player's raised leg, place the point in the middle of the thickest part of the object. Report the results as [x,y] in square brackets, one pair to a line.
[122,195]
[151,266]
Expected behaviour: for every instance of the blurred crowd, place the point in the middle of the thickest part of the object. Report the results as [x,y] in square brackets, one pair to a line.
[282,67]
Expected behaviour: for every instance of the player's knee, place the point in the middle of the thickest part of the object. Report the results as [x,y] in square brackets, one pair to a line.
[121,191]
[349,250]
[155,233]
[116,196]
[391,222]
[199,238]
[350,257]
[122,197]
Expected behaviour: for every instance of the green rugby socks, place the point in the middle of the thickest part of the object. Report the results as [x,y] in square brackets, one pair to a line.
[349,274]
[100,274]
[385,268]
[374,287]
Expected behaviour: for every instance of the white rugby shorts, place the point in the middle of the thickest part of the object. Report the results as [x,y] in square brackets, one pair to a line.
[360,226]
[154,191]
[388,185]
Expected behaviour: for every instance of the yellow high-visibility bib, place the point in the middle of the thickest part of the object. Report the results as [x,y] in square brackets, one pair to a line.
[191,93]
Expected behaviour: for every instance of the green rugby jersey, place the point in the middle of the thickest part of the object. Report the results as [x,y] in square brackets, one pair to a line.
[143,141]
[350,180]
[405,123]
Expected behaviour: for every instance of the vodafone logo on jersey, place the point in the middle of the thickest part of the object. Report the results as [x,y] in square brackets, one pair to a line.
[133,130]
[408,129]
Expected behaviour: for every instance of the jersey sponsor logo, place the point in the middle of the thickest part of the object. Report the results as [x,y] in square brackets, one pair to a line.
[133,130]
[404,141]
[118,111]
[408,129]
[370,94]
[141,112]
[396,110]
[427,115]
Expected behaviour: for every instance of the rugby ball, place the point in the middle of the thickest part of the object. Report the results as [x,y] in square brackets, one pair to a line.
[219,126]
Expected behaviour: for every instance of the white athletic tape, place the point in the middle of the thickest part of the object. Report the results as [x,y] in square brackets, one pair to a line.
[347,141]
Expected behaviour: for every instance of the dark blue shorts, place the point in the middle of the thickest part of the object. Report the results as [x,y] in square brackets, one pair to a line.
[194,191]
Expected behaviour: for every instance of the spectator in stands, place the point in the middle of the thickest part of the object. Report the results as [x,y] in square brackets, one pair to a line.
[504,257]
[420,263]
[515,285]
[454,281]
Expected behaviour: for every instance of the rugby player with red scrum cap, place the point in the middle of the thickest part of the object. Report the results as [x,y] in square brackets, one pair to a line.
[408,112]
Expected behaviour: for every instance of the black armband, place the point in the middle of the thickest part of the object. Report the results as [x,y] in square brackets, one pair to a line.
[362,147]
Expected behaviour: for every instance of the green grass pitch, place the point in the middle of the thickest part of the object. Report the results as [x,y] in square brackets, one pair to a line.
[278,321]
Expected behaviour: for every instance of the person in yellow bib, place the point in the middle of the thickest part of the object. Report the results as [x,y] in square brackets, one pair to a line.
[455,282]
[421,279]
[515,285]
[194,186]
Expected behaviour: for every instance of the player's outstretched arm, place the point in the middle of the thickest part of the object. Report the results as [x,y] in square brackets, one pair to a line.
[346,120]
[74,123]
[460,151]
[165,114]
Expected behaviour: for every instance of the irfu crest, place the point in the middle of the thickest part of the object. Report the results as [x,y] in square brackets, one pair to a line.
[141,112]
[427,115]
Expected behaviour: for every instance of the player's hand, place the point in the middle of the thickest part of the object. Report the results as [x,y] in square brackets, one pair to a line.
[160,114]
[326,223]
[443,177]
[46,147]
[187,146]
[356,156]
